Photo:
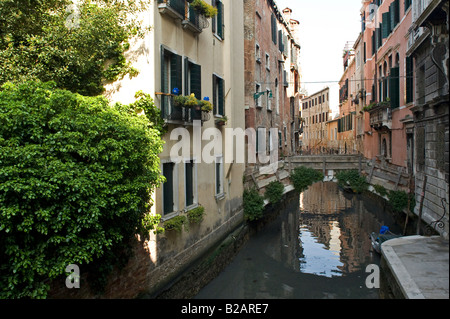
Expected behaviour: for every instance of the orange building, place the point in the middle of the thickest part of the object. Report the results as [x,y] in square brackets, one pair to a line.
[388,92]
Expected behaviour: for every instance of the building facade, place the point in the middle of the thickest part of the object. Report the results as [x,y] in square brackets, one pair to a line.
[316,113]
[187,53]
[428,58]
[388,99]
[272,77]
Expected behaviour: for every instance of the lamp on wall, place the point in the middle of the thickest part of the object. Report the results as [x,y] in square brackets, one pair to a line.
[259,94]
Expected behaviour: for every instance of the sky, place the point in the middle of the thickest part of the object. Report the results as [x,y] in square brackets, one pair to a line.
[325,27]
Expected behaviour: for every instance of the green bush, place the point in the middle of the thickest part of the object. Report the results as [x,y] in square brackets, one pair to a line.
[398,200]
[380,189]
[76,179]
[274,192]
[195,215]
[303,177]
[253,204]
[176,224]
[353,180]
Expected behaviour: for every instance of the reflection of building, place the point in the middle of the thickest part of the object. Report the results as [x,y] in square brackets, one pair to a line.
[338,215]
[315,114]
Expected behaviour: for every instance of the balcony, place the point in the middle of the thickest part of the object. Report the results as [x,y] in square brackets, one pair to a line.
[181,10]
[381,116]
[174,113]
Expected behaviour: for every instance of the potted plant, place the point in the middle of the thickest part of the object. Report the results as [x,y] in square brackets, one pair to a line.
[206,106]
[221,121]
[204,8]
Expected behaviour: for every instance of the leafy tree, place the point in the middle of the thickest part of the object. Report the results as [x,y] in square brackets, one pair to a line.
[76,178]
[80,47]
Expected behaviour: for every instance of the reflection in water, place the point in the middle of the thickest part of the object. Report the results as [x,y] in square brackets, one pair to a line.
[317,259]
[318,247]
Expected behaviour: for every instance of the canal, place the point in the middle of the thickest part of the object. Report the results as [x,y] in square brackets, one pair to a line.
[318,247]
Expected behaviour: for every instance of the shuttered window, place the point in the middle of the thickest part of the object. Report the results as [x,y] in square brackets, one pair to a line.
[386,30]
[193,78]
[189,183]
[218,95]
[218,26]
[273,21]
[394,88]
[280,41]
[168,188]
[409,80]
[171,77]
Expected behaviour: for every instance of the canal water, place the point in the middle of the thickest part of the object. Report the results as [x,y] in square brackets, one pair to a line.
[318,248]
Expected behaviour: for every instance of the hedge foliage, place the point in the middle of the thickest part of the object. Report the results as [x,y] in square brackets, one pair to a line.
[253,204]
[303,177]
[352,179]
[76,178]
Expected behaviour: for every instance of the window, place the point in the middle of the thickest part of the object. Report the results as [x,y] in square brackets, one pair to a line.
[168,171]
[193,78]
[190,181]
[267,61]
[269,101]
[218,21]
[409,79]
[171,78]
[258,100]
[277,96]
[218,96]
[257,53]
[219,176]
[273,21]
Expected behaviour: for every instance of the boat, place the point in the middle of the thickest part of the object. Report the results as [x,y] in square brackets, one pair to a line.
[384,235]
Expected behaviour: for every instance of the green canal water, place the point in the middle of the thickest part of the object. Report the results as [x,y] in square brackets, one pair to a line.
[318,248]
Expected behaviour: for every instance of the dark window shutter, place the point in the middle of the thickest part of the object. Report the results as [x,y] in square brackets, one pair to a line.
[280,40]
[394,87]
[176,72]
[189,167]
[215,101]
[386,30]
[220,19]
[196,80]
[409,79]
[168,188]
[221,96]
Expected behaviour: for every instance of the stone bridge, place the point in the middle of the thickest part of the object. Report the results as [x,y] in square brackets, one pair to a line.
[327,163]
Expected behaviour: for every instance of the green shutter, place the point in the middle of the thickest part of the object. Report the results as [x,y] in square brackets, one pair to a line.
[220,19]
[176,72]
[386,30]
[189,167]
[221,96]
[168,188]
[394,88]
[409,80]
[196,80]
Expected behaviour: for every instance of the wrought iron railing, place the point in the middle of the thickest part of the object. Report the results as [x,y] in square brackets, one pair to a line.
[181,114]
[178,6]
